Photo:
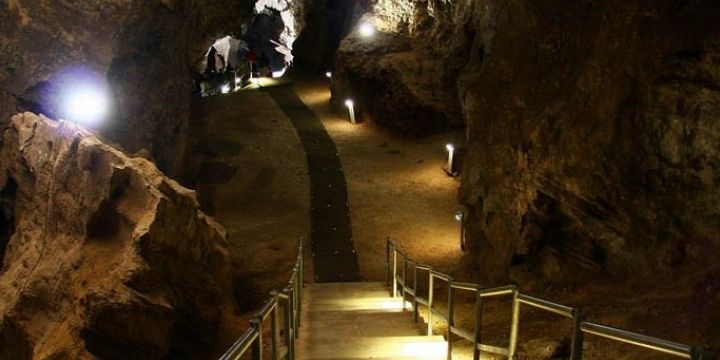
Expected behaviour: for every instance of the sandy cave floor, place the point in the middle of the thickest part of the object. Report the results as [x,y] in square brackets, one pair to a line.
[249,169]
[251,176]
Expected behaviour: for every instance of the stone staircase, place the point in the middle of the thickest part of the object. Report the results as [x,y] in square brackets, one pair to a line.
[361,321]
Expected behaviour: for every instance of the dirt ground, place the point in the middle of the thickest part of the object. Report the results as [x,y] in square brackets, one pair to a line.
[397,189]
[249,169]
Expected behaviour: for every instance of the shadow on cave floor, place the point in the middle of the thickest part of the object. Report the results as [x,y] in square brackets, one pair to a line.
[248,167]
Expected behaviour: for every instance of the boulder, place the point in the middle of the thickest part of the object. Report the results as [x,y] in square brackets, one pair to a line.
[107,257]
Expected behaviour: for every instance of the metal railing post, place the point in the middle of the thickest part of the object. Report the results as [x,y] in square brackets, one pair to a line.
[478,325]
[275,326]
[301,279]
[256,323]
[578,336]
[415,294]
[450,322]
[698,353]
[394,275]
[387,261]
[296,313]
[514,325]
[405,282]
[287,312]
[291,321]
[430,303]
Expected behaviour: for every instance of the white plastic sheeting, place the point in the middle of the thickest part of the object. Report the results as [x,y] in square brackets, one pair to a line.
[228,47]
[290,33]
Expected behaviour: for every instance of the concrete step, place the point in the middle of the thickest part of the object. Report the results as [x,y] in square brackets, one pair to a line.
[340,324]
[361,321]
[352,286]
[409,347]
[356,303]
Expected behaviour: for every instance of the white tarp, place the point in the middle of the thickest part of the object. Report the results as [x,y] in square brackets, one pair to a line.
[228,47]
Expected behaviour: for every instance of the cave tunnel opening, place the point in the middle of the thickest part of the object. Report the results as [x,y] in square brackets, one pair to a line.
[263,49]
[8,195]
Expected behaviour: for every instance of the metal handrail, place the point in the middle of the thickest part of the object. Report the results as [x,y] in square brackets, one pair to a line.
[580,326]
[291,298]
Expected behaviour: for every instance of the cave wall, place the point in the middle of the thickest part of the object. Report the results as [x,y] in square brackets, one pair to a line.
[326,23]
[592,127]
[107,258]
[598,155]
[145,51]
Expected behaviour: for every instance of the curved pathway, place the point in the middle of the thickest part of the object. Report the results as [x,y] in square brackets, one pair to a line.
[333,249]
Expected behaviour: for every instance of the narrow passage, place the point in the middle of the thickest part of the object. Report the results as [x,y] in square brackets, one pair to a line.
[333,248]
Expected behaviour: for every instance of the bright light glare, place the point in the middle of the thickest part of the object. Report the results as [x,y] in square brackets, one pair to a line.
[238,80]
[349,103]
[384,304]
[328,75]
[450,147]
[86,105]
[459,216]
[278,74]
[425,350]
[367,29]
[225,89]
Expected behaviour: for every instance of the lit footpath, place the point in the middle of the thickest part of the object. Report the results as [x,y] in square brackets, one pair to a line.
[333,248]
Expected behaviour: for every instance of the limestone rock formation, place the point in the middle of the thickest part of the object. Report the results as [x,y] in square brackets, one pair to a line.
[107,258]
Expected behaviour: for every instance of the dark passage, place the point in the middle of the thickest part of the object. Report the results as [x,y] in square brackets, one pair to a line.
[332,244]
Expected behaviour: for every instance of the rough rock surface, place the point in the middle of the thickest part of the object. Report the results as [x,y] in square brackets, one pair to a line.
[592,128]
[592,131]
[144,51]
[108,258]
[326,23]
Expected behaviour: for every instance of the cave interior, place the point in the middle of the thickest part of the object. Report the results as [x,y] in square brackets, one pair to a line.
[161,161]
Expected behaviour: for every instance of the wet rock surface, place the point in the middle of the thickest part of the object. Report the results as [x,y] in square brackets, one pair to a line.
[107,257]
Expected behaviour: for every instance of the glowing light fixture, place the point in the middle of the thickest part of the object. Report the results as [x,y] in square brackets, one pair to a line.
[86,105]
[279,74]
[351,109]
[451,152]
[225,89]
[328,75]
[367,29]
[460,217]
[238,80]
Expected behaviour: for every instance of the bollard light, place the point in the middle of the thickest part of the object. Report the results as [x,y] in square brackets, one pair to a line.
[451,152]
[367,29]
[460,217]
[351,109]
[279,74]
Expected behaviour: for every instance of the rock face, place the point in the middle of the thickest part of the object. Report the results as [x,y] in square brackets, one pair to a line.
[591,127]
[327,22]
[406,76]
[145,52]
[107,258]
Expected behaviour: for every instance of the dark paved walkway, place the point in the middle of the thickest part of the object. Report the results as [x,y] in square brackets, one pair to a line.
[333,249]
